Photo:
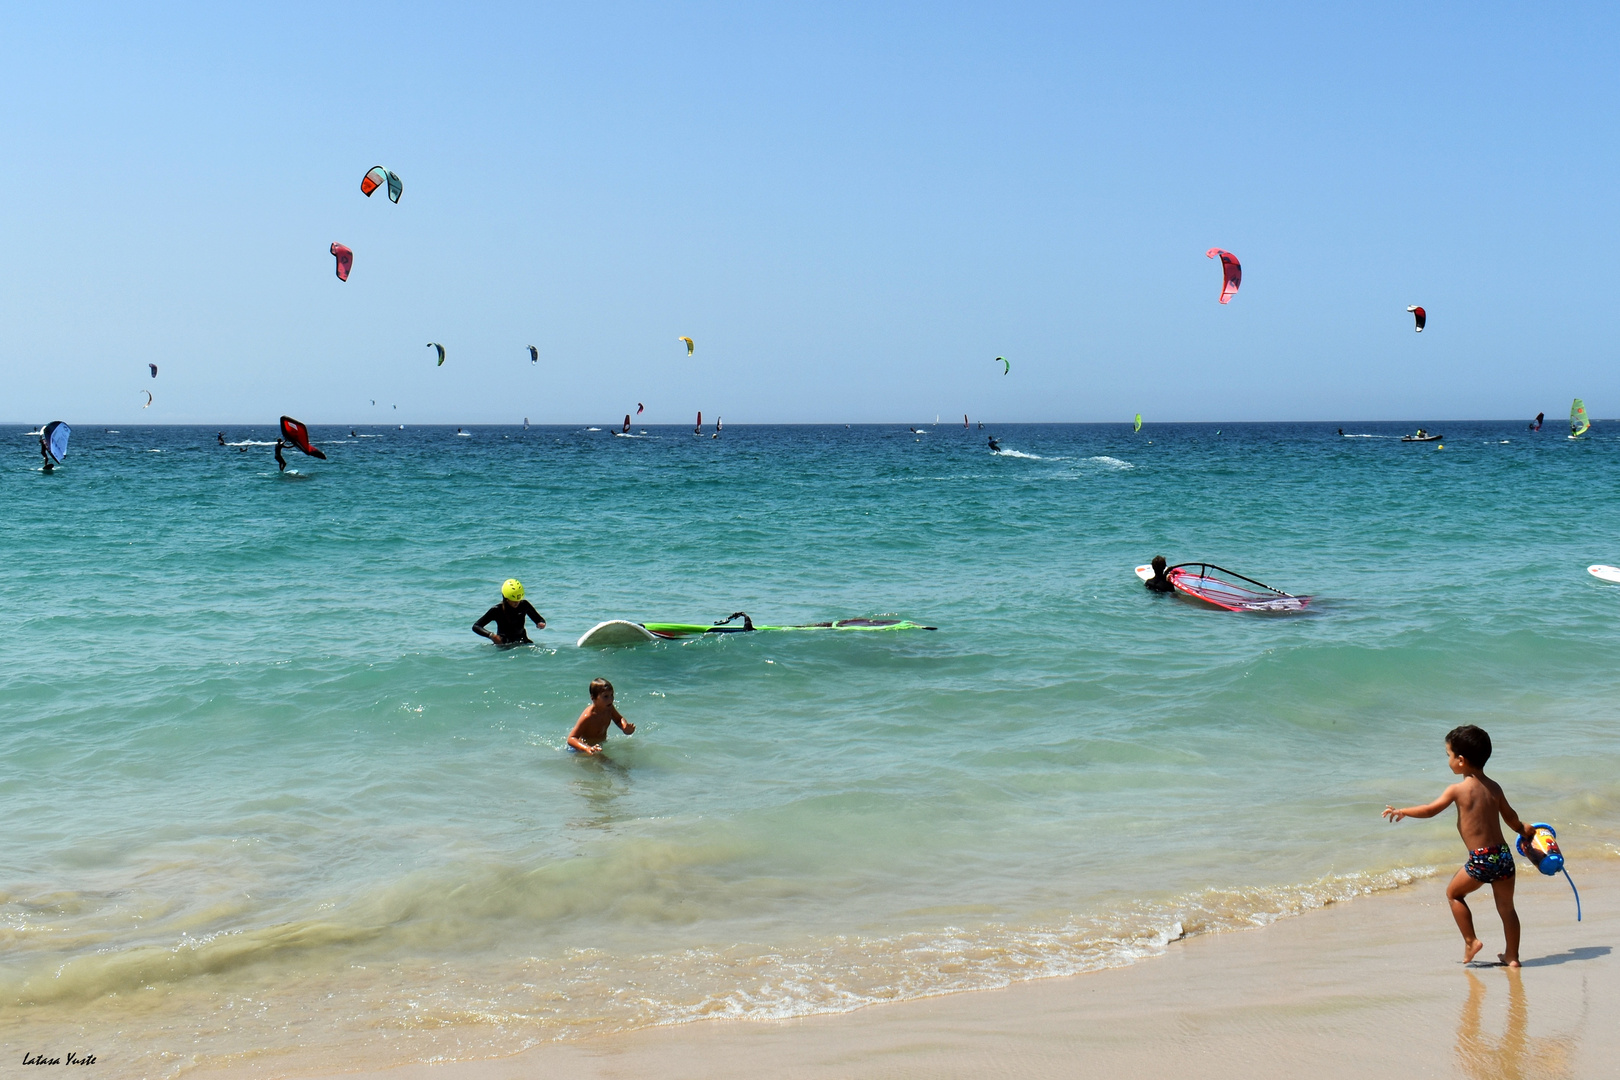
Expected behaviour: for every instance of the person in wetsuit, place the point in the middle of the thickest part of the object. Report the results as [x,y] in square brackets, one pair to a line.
[995,447]
[45,453]
[508,616]
[1160,581]
[279,459]
[222,438]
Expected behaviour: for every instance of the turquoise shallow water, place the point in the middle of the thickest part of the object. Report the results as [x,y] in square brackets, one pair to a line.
[266,794]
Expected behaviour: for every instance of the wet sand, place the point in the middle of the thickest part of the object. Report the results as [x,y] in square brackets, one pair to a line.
[1374,987]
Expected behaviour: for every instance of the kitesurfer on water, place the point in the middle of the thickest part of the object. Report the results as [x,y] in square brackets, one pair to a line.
[995,447]
[508,616]
[281,461]
[222,438]
[1160,581]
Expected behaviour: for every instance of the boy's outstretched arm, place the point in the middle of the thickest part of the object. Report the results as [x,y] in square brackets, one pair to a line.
[1447,797]
[624,725]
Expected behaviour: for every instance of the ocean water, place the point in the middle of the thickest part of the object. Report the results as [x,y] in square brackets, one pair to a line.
[267,798]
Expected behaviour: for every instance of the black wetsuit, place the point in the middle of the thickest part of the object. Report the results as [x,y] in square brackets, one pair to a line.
[279,459]
[1159,583]
[49,464]
[995,447]
[508,621]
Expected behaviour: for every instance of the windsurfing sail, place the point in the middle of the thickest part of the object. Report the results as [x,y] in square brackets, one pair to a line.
[56,435]
[1535,425]
[698,430]
[296,434]
[718,422]
[627,423]
[1234,592]
[1138,426]
[623,632]
[1419,316]
[964,422]
[345,260]
[436,345]
[1578,423]
[1231,272]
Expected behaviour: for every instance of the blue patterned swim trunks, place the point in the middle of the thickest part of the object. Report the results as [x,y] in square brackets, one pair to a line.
[1490,864]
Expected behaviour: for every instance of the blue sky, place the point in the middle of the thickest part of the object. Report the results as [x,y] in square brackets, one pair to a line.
[851,207]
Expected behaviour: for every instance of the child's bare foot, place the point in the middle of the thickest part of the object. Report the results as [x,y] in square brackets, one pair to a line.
[1471,949]
[1503,957]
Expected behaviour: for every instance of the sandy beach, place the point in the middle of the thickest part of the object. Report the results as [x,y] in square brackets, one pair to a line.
[1371,987]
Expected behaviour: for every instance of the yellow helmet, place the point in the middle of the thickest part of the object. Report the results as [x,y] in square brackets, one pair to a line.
[512,589]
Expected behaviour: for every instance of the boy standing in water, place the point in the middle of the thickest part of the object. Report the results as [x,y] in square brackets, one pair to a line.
[592,726]
[1481,807]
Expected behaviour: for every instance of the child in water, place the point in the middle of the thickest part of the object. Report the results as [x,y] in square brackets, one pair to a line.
[1481,807]
[592,726]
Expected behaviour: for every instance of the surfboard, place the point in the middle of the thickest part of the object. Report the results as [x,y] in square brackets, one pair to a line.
[1605,573]
[615,632]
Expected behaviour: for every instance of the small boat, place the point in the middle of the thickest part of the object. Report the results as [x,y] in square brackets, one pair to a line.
[1421,436]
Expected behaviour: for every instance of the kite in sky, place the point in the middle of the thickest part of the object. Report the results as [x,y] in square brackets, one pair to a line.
[1232,272]
[1005,366]
[1420,316]
[376,178]
[534,355]
[154,370]
[436,345]
[688,344]
[148,394]
[345,260]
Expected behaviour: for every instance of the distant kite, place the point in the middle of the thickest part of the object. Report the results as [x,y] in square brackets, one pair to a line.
[534,355]
[154,370]
[345,260]
[376,178]
[148,394]
[1005,366]
[1420,316]
[639,407]
[1232,271]
[688,344]
[435,345]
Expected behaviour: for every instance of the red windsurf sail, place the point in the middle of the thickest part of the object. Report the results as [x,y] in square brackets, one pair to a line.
[296,434]
[1234,592]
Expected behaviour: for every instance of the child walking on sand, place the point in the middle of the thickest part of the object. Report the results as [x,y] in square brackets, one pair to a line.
[1481,807]
[592,726]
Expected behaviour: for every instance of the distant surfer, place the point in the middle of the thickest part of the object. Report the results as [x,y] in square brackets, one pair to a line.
[280,461]
[995,447]
[1341,431]
[45,452]
[222,438]
[1160,581]
[592,726]
[508,616]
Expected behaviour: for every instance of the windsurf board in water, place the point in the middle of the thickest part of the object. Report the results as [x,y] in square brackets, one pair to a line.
[615,632]
[1225,589]
[1605,573]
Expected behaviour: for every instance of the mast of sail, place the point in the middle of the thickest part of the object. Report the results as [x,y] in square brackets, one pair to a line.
[1578,423]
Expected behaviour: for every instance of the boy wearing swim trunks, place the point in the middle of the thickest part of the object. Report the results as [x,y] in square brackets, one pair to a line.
[591,729]
[1481,808]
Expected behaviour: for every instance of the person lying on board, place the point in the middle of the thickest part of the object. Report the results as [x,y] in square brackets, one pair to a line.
[592,726]
[508,616]
[1160,581]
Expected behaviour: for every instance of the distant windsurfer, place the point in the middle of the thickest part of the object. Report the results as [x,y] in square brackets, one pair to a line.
[508,617]
[1160,581]
[280,461]
[995,447]
[1540,416]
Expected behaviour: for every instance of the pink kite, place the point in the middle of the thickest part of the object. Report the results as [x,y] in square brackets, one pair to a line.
[345,261]
[1232,269]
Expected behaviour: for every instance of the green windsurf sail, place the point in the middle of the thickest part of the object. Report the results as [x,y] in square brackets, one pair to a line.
[1578,423]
